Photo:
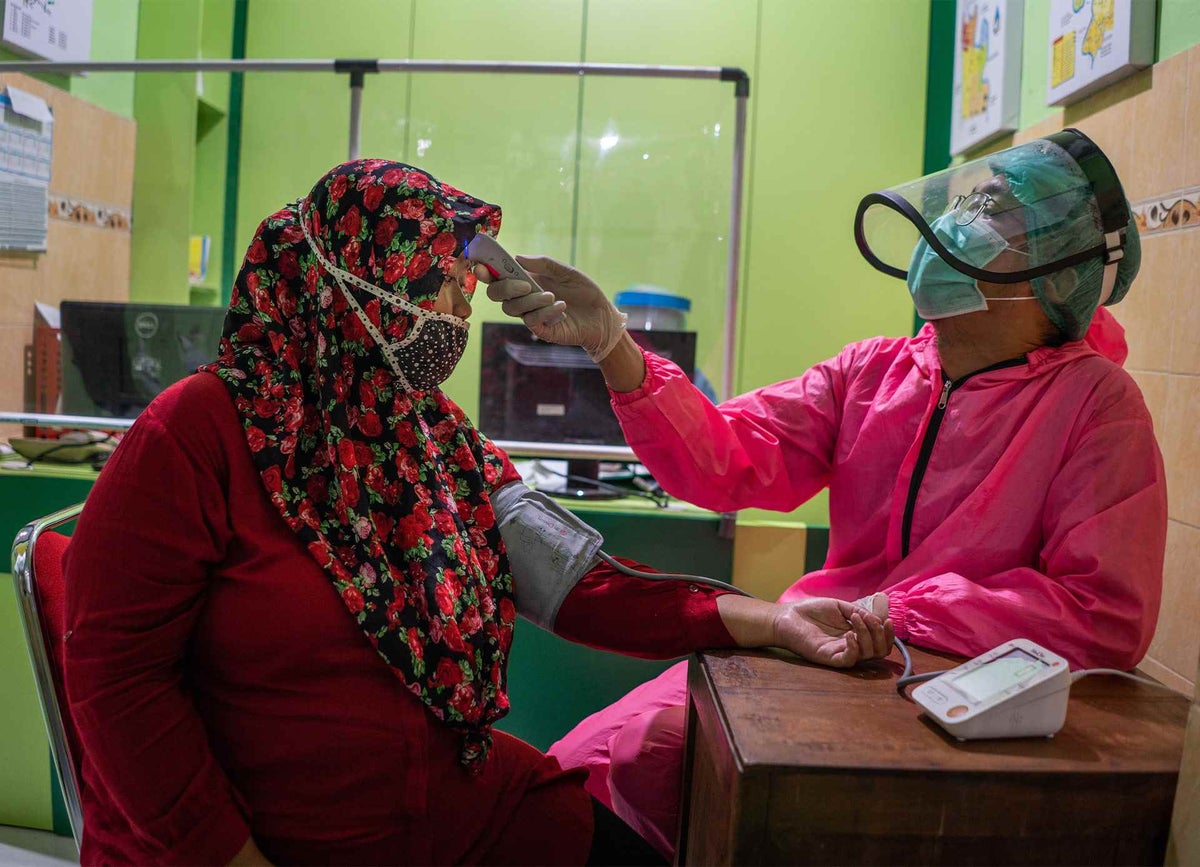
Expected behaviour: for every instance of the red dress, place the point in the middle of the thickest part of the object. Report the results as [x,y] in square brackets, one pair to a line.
[220,687]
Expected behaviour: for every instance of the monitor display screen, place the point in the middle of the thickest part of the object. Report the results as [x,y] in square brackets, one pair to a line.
[534,391]
[994,677]
[117,357]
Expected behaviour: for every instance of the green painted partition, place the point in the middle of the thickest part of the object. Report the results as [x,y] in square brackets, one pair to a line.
[212,146]
[29,796]
[114,37]
[165,110]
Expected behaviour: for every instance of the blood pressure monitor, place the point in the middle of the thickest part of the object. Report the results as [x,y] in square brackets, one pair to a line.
[1018,689]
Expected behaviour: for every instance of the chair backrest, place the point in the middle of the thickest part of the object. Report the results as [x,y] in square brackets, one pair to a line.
[37,572]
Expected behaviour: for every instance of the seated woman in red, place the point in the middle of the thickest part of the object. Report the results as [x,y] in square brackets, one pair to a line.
[290,604]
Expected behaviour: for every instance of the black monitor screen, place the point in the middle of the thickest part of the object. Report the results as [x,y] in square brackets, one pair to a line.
[117,357]
[534,391]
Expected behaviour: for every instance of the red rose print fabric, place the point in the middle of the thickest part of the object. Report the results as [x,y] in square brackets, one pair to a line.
[388,488]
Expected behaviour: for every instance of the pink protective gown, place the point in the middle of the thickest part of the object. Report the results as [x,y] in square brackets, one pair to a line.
[1024,500]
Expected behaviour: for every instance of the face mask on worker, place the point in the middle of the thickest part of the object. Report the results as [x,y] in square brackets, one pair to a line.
[940,291]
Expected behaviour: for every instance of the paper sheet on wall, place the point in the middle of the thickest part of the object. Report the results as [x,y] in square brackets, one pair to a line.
[26,148]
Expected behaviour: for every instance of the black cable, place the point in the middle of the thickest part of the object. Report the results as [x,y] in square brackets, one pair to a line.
[907,678]
[659,500]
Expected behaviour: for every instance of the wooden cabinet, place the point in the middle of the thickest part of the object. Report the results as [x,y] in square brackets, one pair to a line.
[793,764]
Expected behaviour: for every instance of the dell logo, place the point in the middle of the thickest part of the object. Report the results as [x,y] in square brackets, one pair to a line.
[145,325]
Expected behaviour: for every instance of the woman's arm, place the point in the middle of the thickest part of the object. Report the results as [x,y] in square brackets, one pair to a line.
[657,619]
[136,571]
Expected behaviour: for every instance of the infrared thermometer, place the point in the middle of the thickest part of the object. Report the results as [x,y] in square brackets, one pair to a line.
[487,251]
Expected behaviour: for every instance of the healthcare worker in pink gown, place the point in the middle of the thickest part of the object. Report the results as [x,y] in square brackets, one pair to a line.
[995,476]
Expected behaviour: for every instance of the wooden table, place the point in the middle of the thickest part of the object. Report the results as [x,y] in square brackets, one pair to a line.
[789,763]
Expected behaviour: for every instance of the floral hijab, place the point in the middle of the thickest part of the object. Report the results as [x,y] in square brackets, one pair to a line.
[389,488]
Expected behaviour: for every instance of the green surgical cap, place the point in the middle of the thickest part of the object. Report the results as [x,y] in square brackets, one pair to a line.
[1062,217]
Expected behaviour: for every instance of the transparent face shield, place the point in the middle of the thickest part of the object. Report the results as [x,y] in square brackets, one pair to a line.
[1008,217]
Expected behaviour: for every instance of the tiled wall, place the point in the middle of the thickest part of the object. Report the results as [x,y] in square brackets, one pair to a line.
[1149,125]
[88,234]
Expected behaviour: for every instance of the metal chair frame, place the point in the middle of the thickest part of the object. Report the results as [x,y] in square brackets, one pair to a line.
[29,606]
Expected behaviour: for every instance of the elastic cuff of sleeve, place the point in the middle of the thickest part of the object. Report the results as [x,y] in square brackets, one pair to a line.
[898,614]
[701,619]
[624,398]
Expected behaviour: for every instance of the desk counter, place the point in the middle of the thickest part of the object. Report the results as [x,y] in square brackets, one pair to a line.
[789,763]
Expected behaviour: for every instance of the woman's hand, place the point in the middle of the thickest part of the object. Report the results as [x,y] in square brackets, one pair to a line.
[832,632]
[826,631]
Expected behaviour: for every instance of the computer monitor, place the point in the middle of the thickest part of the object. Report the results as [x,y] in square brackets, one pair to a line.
[117,357]
[534,391]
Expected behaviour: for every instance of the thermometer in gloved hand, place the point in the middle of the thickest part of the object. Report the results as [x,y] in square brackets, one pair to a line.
[487,251]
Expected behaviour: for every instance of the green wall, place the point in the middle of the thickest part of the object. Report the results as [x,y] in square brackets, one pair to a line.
[837,109]
[114,37]
[179,173]
[1178,26]
[212,146]
[165,109]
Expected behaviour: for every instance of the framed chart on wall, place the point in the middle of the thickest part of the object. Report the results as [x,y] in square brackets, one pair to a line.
[987,71]
[1096,42]
[49,29]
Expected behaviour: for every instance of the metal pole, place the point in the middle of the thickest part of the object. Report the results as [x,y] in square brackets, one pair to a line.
[735,242]
[36,67]
[356,91]
[464,66]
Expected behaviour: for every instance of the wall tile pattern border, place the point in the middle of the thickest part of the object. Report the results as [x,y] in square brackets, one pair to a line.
[64,207]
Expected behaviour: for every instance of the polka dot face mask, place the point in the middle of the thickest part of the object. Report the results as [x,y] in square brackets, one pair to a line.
[427,355]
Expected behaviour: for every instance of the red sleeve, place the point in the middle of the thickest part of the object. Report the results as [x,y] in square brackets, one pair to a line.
[154,527]
[609,610]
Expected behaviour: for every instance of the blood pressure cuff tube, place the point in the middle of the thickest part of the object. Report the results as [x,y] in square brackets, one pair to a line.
[549,550]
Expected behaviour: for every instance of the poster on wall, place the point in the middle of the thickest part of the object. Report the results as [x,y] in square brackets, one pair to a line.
[49,29]
[987,71]
[1096,42]
[26,149]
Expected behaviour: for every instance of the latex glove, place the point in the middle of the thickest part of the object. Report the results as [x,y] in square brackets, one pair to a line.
[832,632]
[570,308]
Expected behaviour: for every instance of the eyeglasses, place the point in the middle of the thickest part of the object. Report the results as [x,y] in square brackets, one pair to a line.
[967,208]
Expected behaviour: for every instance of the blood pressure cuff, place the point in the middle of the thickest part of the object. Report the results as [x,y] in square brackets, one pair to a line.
[549,550]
